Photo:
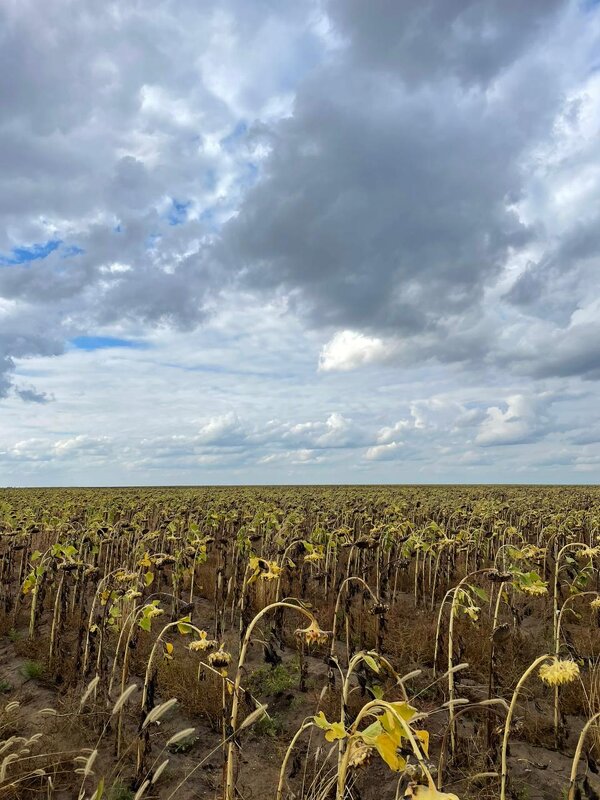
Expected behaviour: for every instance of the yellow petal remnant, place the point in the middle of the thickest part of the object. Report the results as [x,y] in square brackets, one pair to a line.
[272,572]
[559,672]
[202,643]
[126,577]
[595,604]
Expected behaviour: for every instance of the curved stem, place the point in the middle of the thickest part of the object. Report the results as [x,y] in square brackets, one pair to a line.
[509,716]
[305,725]
[343,585]
[229,779]
[555,587]
[577,756]
[485,704]
[556,715]
[450,654]
[157,641]
[369,709]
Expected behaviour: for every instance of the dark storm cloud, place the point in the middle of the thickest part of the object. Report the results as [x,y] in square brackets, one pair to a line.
[420,42]
[388,204]
[386,208]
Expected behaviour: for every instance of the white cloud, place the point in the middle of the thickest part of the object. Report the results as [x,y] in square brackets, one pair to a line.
[523,420]
[222,430]
[385,452]
[351,349]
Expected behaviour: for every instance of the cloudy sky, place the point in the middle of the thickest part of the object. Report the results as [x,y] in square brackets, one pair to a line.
[254,241]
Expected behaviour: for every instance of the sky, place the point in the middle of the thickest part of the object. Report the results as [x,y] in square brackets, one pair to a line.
[320,241]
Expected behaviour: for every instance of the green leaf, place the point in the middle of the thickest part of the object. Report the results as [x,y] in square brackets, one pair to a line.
[370,733]
[371,663]
[145,624]
[377,691]
[99,791]
[480,593]
[184,629]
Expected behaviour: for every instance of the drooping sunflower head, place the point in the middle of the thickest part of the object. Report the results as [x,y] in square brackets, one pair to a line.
[202,643]
[559,671]
[220,659]
[535,589]
[587,552]
[313,634]
[360,754]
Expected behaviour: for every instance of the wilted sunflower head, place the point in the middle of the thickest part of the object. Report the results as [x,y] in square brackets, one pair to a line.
[266,570]
[313,634]
[220,659]
[126,577]
[273,571]
[559,671]
[379,609]
[314,556]
[499,577]
[534,589]
[360,754]
[202,643]
[587,552]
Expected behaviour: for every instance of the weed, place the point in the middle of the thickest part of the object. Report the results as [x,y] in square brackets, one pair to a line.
[270,726]
[119,792]
[268,680]
[32,670]
[185,745]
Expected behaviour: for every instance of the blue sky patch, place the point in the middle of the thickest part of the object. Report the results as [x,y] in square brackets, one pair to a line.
[230,141]
[71,250]
[27,253]
[104,342]
[177,214]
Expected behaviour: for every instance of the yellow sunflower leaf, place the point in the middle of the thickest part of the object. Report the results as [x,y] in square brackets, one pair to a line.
[388,750]
[336,731]
[423,737]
